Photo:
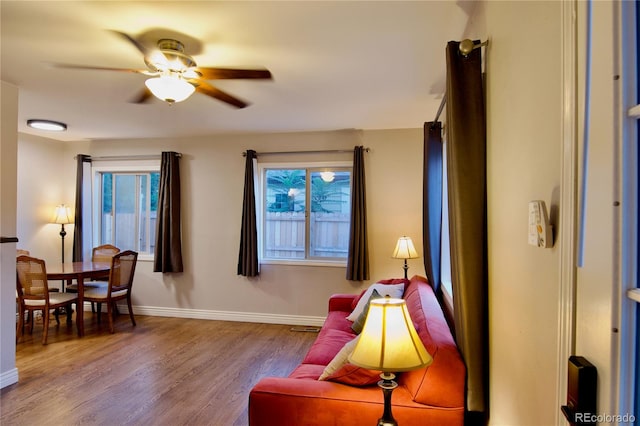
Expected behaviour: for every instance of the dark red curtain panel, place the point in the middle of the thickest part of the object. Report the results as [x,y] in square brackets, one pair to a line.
[466,180]
[78,229]
[248,255]
[168,252]
[432,202]
[358,257]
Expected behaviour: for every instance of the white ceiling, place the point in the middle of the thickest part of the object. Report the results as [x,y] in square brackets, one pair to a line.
[336,65]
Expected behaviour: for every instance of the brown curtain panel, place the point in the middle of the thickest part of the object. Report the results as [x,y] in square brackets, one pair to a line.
[78,229]
[168,251]
[248,255]
[466,180]
[358,257]
[432,202]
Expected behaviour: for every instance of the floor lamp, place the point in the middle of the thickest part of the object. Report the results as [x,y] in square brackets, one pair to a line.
[389,343]
[61,217]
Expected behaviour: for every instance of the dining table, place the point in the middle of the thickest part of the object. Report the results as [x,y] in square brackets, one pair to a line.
[78,271]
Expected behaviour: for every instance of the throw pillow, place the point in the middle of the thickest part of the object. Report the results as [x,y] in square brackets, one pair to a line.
[391,290]
[339,360]
[385,281]
[359,322]
[353,375]
[356,299]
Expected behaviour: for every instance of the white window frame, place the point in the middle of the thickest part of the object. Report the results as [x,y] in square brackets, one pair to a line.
[261,206]
[629,352]
[111,167]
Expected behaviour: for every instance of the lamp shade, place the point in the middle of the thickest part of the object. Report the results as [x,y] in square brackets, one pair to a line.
[405,249]
[170,88]
[61,215]
[389,342]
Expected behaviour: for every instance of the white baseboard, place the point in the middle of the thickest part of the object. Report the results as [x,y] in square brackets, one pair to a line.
[8,377]
[256,317]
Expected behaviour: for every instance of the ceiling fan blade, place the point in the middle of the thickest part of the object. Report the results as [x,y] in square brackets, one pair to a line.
[133,41]
[152,57]
[89,67]
[207,89]
[213,73]
[144,96]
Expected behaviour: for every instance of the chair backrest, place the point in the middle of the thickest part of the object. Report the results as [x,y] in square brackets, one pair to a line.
[31,281]
[123,266]
[104,253]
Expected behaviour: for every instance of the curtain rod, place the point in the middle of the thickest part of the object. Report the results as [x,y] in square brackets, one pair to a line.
[466,46]
[326,151]
[127,157]
[442,102]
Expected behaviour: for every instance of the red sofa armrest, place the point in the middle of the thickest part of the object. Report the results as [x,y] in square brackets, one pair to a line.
[341,302]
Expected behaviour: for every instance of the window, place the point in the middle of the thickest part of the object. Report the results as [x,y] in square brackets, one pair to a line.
[305,213]
[125,208]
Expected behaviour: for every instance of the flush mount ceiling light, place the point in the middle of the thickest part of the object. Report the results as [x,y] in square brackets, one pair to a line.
[52,126]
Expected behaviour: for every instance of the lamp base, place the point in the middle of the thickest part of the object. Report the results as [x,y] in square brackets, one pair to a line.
[387,384]
[382,422]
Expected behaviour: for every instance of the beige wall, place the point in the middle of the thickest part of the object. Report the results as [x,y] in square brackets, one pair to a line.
[524,149]
[45,180]
[212,172]
[8,155]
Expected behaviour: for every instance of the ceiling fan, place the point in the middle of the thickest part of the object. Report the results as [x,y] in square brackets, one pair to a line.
[174,75]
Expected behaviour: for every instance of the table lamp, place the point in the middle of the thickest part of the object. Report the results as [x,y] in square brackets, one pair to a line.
[405,250]
[389,343]
[61,217]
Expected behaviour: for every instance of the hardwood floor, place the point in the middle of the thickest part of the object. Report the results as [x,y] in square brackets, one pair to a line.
[164,371]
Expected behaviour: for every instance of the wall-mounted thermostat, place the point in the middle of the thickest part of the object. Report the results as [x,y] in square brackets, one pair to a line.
[540,231]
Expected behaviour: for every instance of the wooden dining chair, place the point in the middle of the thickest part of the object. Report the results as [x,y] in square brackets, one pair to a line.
[24,252]
[123,267]
[34,295]
[104,253]
[101,253]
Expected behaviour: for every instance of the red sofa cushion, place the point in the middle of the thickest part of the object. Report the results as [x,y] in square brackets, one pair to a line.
[307,371]
[327,345]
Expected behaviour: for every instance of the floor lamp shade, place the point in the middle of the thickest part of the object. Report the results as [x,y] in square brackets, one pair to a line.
[405,250]
[61,215]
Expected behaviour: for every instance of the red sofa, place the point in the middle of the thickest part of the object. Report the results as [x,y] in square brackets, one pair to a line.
[433,395]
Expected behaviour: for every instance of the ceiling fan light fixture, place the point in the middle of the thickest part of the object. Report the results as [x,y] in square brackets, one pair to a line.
[170,88]
[49,125]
